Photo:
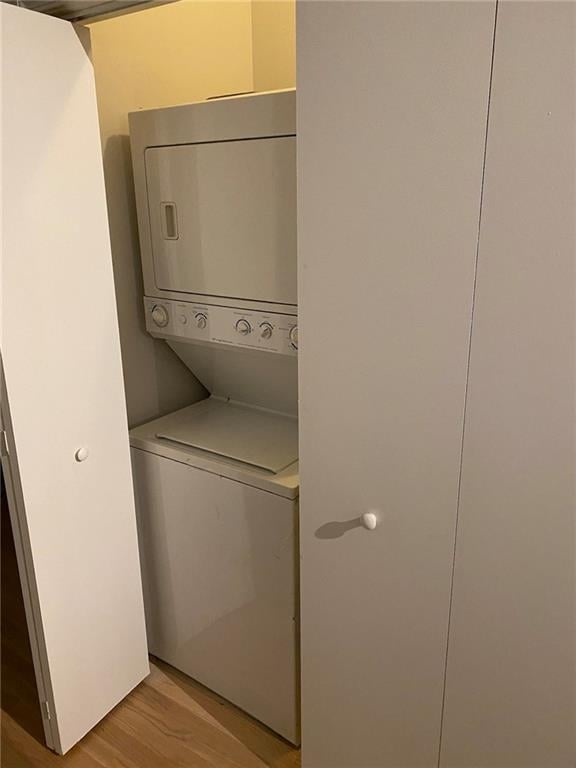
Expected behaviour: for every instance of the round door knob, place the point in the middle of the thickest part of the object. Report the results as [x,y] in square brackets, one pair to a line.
[266,330]
[243,327]
[201,320]
[81,454]
[183,319]
[294,336]
[160,316]
[370,520]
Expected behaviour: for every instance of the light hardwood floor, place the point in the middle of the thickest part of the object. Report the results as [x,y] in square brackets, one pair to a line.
[168,721]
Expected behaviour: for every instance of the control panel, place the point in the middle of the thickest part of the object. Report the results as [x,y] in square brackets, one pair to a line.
[253,329]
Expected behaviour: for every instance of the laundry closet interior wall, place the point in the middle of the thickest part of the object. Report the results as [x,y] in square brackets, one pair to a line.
[174,54]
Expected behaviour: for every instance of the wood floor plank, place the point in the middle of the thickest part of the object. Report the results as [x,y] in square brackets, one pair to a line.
[10,755]
[27,748]
[165,682]
[270,748]
[184,737]
[106,753]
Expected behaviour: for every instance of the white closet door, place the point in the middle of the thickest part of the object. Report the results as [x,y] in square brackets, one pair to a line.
[392,106]
[64,393]
[510,695]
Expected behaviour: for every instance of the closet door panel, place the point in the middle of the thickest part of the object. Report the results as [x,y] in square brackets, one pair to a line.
[392,107]
[511,661]
[68,437]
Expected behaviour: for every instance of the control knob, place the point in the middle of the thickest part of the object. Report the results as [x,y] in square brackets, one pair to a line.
[160,316]
[201,320]
[266,330]
[294,336]
[243,327]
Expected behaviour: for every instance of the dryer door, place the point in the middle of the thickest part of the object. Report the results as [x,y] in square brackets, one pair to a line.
[223,218]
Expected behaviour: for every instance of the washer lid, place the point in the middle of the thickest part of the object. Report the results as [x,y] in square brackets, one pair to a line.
[263,439]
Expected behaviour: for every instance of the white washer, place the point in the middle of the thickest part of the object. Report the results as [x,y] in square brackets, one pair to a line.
[218,541]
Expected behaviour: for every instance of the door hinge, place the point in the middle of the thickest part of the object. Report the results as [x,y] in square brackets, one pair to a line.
[4,443]
[46,710]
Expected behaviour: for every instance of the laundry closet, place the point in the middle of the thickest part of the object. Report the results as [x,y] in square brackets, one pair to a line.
[274,361]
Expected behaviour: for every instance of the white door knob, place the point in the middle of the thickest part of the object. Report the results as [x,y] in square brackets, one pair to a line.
[370,520]
[81,454]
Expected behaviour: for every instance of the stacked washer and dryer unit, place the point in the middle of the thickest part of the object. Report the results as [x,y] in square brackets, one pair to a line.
[217,482]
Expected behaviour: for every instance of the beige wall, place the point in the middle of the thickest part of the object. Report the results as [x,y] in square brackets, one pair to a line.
[178,53]
[274,44]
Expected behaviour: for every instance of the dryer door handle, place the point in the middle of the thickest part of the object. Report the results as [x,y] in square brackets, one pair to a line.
[169,220]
